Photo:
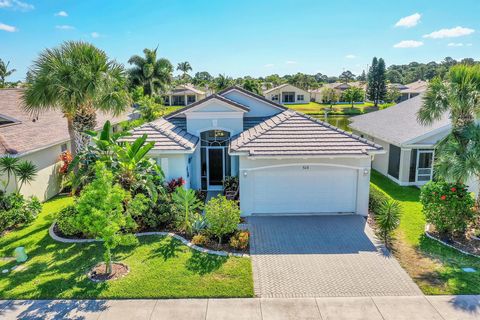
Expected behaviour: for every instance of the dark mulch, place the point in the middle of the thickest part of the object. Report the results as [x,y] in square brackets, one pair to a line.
[462,242]
[98,274]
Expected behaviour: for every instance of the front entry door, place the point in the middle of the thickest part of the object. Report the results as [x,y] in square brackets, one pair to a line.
[215,168]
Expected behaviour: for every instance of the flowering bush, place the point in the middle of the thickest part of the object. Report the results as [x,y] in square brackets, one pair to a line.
[448,206]
[174,184]
[240,240]
[66,158]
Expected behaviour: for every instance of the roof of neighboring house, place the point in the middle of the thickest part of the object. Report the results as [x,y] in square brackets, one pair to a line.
[210,97]
[167,136]
[294,134]
[341,85]
[184,88]
[415,87]
[397,124]
[280,87]
[29,133]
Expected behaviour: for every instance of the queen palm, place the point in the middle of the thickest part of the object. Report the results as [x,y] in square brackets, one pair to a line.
[458,155]
[151,73]
[77,79]
[4,72]
[184,67]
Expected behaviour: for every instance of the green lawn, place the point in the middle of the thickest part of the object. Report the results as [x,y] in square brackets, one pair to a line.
[160,267]
[314,108]
[434,267]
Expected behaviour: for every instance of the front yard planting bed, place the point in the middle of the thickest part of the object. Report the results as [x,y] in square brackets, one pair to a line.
[159,267]
[436,268]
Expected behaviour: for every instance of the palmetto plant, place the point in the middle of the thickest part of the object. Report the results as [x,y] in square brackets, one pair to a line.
[76,79]
[4,72]
[151,73]
[387,219]
[23,170]
[459,95]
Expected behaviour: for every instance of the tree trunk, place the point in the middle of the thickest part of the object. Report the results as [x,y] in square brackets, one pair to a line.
[71,133]
[108,261]
[477,200]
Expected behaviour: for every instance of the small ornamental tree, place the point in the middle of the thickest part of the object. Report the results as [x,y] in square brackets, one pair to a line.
[448,206]
[101,213]
[223,216]
[186,207]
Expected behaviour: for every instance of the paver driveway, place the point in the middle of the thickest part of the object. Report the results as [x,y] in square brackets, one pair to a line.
[315,256]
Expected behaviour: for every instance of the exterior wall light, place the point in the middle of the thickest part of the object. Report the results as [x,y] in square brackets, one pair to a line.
[365,172]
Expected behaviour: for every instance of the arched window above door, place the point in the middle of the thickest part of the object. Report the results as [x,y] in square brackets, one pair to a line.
[215,138]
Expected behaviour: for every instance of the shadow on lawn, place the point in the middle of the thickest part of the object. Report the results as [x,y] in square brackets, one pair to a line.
[168,247]
[203,263]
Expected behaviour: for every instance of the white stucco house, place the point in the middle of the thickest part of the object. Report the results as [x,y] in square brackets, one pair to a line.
[409,145]
[287,162]
[183,95]
[287,94]
[39,139]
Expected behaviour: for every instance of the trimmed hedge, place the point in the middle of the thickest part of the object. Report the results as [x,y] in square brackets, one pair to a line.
[377,198]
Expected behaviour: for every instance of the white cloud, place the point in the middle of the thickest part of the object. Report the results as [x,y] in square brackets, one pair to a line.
[450,33]
[291,62]
[6,27]
[469,44]
[61,14]
[409,21]
[455,44]
[65,27]
[408,44]
[95,34]
[16,5]
[350,56]
[269,65]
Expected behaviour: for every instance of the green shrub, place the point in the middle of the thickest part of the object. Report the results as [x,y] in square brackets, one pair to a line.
[186,207]
[65,221]
[15,210]
[200,240]
[377,198]
[199,224]
[387,219]
[448,206]
[240,240]
[223,216]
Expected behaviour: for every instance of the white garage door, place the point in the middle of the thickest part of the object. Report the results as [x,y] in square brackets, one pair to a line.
[304,189]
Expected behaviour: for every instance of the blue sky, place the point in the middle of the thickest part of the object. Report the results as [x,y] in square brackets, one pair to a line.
[247,37]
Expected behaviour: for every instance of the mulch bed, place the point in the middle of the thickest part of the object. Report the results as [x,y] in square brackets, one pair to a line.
[464,242]
[97,274]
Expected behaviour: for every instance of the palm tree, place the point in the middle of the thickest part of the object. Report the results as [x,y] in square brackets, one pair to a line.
[76,78]
[458,155]
[222,82]
[152,74]
[8,166]
[252,85]
[184,67]
[4,72]
[26,172]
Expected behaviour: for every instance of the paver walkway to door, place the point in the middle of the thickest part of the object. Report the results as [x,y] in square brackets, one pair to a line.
[318,256]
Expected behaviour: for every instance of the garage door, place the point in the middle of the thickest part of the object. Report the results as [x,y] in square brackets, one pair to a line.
[304,189]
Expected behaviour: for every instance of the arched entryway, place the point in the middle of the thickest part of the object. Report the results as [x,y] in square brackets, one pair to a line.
[215,161]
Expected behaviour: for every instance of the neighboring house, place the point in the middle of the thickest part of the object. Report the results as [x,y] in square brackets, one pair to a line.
[183,95]
[411,90]
[40,139]
[287,94]
[287,162]
[339,87]
[409,145]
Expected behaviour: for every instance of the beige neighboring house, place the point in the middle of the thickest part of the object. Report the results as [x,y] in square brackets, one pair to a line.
[413,89]
[339,87]
[183,95]
[40,139]
[287,94]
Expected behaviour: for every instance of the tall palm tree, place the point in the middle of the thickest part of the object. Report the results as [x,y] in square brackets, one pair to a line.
[222,82]
[4,72]
[252,85]
[151,73]
[458,155]
[76,78]
[184,67]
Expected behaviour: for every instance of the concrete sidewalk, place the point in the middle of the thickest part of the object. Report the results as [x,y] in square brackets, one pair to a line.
[370,308]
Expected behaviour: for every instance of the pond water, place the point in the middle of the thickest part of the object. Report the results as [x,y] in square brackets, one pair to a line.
[338,121]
